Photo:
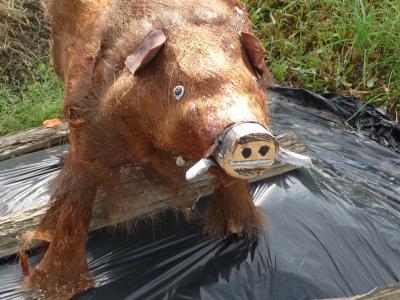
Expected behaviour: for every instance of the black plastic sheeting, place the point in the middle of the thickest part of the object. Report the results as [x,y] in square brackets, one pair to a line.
[333,230]
[367,119]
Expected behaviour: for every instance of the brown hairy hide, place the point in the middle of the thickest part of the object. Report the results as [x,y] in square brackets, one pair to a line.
[232,209]
[118,120]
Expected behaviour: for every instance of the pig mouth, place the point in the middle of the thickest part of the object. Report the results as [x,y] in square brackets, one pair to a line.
[243,170]
[247,170]
[253,163]
[246,160]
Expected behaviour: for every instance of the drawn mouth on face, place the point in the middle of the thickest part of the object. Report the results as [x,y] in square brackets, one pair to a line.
[246,150]
[252,163]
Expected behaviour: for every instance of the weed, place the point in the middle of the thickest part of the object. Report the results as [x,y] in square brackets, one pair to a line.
[349,46]
[29,103]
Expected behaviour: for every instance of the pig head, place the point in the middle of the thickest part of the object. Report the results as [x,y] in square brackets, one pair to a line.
[147,82]
[181,89]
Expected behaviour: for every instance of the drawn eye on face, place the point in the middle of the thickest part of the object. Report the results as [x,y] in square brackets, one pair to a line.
[179,92]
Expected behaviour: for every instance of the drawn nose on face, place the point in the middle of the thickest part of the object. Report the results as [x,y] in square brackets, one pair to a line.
[246,150]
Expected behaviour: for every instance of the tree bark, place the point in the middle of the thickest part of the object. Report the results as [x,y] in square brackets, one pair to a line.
[32,140]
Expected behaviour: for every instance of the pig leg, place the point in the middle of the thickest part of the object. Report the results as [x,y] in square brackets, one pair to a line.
[47,225]
[232,210]
[44,231]
[63,271]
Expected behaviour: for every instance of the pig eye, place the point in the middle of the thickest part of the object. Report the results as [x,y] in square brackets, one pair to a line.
[179,91]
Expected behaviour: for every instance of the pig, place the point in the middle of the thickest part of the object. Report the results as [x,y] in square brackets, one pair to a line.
[149,82]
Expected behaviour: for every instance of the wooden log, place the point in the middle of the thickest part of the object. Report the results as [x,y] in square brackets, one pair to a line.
[391,292]
[32,140]
[149,198]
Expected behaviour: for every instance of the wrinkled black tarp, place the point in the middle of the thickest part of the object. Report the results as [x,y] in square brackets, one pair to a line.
[367,119]
[333,230]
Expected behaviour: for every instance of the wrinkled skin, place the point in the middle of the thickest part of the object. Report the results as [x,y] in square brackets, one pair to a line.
[117,119]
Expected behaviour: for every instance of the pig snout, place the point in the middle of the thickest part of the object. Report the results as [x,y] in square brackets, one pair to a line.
[244,150]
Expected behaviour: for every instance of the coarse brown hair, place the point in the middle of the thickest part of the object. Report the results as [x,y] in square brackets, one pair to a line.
[118,119]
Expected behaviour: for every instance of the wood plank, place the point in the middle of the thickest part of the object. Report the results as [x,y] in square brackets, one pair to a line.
[391,292]
[32,140]
[148,200]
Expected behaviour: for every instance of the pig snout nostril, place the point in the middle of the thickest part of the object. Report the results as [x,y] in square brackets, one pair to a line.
[246,152]
[263,150]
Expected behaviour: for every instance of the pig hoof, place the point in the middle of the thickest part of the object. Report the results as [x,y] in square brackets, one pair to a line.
[47,285]
[237,229]
[24,263]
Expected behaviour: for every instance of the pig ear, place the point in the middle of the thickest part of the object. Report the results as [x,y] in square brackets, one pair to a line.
[150,46]
[255,51]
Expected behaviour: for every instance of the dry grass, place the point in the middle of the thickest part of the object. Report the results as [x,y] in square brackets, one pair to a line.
[24,39]
[29,89]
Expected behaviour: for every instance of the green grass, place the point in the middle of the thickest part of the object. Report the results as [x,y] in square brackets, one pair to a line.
[29,90]
[349,46]
[26,104]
